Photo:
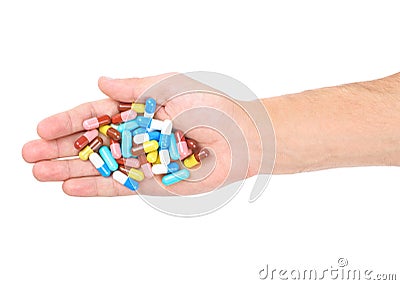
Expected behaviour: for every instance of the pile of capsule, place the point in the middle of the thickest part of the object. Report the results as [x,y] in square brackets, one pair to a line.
[140,146]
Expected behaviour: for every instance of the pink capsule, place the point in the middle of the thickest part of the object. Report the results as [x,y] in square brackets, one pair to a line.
[129,162]
[181,143]
[145,166]
[124,117]
[94,123]
[115,148]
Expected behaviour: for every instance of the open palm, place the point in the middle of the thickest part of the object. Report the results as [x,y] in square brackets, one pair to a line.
[80,178]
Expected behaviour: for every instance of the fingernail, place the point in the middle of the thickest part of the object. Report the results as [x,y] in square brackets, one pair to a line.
[107,78]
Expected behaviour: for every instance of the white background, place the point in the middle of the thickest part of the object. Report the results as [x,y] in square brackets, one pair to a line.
[52,53]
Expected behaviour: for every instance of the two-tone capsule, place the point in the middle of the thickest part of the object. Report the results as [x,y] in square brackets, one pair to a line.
[164,142]
[181,143]
[110,132]
[124,117]
[144,137]
[146,147]
[99,164]
[129,162]
[150,108]
[196,158]
[91,148]
[85,139]
[145,166]
[125,180]
[94,123]
[115,148]
[137,107]
[133,173]
[163,169]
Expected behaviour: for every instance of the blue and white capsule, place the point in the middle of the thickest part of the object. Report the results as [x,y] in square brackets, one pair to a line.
[150,108]
[145,137]
[126,144]
[149,123]
[125,180]
[99,164]
[164,142]
[164,169]
[175,177]
[173,148]
[108,158]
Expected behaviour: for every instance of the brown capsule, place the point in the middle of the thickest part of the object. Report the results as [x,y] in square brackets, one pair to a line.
[193,145]
[110,132]
[124,107]
[201,154]
[96,144]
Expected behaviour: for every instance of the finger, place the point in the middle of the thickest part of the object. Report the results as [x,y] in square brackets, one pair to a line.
[95,186]
[128,90]
[61,170]
[40,149]
[70,122]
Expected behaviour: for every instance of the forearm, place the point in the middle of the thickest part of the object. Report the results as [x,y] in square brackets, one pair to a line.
[350,125]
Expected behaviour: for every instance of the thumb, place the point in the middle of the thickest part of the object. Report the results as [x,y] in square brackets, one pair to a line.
[129,89]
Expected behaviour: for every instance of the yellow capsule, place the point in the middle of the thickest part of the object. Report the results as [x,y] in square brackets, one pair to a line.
[152,156]
[150,146]
[136,174]
[84,153]
[158,161]
[138,108]
[190,161]
[104,129]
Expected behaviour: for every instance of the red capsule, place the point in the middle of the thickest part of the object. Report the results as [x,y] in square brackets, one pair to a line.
[124,117]
[129,162]
[85,139]
[94,123]
[201,154]
[193,145]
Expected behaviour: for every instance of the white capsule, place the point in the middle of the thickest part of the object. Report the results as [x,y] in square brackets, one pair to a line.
[141,138]
[167,127]
[164,156]
[159,168]
[156,124]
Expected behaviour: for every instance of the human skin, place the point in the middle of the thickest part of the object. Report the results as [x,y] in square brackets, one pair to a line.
[349,125]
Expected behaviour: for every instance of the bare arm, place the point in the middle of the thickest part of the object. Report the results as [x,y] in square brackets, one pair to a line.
[356,124]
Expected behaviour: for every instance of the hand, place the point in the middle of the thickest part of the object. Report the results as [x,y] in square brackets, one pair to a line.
[80,178]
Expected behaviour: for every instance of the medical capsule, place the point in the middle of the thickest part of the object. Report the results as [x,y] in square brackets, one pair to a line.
[106,155]
[110,132]
[144,137]
[126,144]
[146,147]
[195,158]
[115,148]
[124,117]
[85,139]
[133,173]
[192,145]
[175,177]
[150,108]
[164,142]
[89,149]
[99,164]
[94,123]
[125,180]
[137,107]
[129,162]
[152,156]
[183,149]
[163,169]
[145,166]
